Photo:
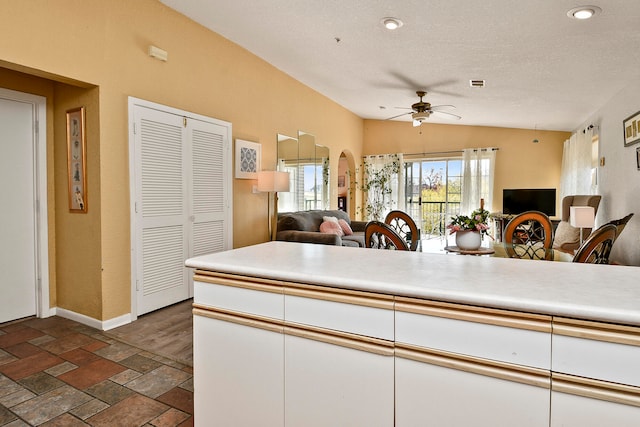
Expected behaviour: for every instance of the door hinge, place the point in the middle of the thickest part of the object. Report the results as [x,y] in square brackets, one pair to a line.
[136,206]
[135,131]
[184,121]
[137,285]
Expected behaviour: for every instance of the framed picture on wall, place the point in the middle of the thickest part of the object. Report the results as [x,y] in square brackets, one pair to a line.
[77,160]
[247,159]
[638,158]
[631,127]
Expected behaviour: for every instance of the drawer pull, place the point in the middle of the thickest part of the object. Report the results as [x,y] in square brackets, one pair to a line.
[510,319]
[343,339]
[595,389]
[340,295]
[252,321]
[256,284]
[617,334]
[489,368]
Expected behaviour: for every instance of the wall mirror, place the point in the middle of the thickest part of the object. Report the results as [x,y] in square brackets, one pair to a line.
[308,167]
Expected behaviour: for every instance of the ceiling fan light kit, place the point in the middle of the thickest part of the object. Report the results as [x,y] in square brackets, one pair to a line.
[420,117]
[422,110]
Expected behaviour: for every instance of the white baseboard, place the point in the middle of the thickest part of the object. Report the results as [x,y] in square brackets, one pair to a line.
[103,325]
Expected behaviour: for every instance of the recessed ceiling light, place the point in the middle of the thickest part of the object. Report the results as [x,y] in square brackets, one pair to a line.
[391,23]
[583,12]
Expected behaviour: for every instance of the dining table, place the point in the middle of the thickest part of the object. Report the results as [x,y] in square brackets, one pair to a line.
[499,250]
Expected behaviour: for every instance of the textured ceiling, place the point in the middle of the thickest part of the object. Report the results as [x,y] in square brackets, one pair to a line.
[542,69]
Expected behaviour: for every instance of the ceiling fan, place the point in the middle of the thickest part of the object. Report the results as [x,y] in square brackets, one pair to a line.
[421,111]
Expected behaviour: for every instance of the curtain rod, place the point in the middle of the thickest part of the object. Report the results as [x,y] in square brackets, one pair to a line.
[448,152]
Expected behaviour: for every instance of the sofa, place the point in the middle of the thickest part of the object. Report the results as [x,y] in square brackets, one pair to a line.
[304,227]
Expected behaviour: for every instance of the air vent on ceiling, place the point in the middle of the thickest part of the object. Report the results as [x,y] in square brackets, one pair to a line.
[476,83]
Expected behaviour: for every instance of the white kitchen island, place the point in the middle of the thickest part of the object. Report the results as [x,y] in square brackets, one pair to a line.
[303,335]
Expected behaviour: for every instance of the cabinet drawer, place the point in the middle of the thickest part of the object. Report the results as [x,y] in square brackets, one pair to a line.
[354,312]
[484,333]
[597,350]
[236,295]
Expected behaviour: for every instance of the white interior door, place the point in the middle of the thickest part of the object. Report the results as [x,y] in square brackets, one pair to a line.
[209,177]
[18,245]
[180,194]
[161,210]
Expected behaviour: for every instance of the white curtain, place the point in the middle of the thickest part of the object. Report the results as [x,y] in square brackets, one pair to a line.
[382,201]
[478,167]
[575,177]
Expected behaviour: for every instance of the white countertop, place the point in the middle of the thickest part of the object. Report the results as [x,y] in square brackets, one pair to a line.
[585,291]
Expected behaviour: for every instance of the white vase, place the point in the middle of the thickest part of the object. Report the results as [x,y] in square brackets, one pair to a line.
[468,240]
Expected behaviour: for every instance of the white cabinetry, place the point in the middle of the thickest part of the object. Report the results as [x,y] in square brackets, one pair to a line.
[328,361]
[339,366]
[238,353]
[459,366]
[239,373]
[274,353]
[595,380]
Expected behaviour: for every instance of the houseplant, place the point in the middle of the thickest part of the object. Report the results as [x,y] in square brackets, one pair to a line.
[470,229]
[378,181]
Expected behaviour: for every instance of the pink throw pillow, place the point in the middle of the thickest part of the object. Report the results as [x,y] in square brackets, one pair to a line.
[346,228]
[331,227]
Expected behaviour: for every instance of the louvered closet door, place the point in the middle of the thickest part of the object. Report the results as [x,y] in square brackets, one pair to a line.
[208,175]
[162,215]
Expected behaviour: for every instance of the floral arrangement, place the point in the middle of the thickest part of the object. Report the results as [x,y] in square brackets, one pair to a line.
[476,221]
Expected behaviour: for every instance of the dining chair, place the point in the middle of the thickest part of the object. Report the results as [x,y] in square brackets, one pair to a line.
[405,226]
[378,235]
[597,247]
[620,224]
[529,235]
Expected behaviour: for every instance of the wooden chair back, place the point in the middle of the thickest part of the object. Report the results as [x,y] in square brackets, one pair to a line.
[529,235]
[620,224]
[378,235]
[597,247]
[405,226]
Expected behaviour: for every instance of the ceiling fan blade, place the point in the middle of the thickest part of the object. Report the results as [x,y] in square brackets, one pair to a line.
[399,115]
[446,115]
[440,107]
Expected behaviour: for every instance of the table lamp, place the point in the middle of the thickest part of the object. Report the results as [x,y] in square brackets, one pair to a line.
[272,182]
[582,217]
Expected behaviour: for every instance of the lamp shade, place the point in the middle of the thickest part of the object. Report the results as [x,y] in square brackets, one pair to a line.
[582,216]
[273,181]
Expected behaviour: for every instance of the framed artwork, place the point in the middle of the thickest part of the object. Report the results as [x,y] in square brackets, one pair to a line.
[638,158]
[340,180]
[77,160]
[248,156]
[631,127]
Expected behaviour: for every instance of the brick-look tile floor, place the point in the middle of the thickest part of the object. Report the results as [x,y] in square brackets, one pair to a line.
[56,372]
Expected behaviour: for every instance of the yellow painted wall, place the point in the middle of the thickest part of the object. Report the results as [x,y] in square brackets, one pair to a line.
[94,53]
[519,162]
[101,46]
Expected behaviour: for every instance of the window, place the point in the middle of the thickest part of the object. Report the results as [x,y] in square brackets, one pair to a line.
[433,189]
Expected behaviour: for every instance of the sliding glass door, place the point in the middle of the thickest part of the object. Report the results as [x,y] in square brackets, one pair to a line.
[433,193]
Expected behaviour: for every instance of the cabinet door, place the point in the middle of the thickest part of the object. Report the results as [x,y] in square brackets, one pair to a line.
[437,390]
[570,409]
[336,381]
[238,371]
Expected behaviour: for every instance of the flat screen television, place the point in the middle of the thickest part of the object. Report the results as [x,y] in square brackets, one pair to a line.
[516,201]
